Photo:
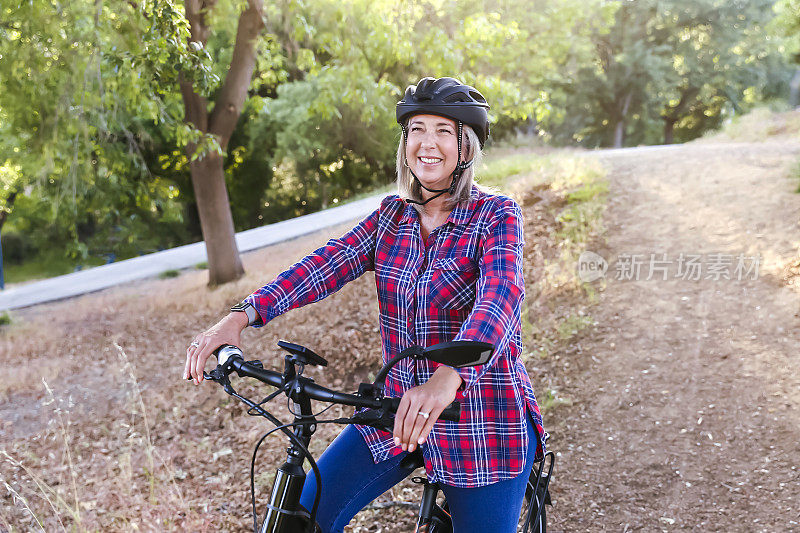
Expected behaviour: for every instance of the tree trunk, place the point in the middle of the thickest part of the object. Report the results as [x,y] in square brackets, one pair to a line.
[6,209]
[208,174]
[619,133]
[323,193]
[669,129]
[216,222]
[794,89]
[619,130]
[671,115]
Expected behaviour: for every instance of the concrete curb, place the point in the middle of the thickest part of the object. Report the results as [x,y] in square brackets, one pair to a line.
[151,265]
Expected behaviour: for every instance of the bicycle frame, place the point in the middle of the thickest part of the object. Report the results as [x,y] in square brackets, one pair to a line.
[284,513]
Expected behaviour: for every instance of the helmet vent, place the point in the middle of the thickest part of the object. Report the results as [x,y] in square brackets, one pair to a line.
[456,97]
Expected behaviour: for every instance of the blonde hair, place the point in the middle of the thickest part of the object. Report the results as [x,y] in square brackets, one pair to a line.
[408,187]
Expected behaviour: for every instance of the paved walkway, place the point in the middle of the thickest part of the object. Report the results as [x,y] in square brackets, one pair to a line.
[151,265]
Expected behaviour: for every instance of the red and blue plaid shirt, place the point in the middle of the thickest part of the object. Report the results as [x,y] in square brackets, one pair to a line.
[464,282]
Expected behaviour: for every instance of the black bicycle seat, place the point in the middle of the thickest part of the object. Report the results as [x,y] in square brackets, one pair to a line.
[413,460]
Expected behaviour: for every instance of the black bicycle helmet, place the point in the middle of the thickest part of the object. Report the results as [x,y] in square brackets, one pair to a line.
[446,97]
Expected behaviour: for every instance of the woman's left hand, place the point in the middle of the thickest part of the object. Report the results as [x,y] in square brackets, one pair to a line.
[411,427]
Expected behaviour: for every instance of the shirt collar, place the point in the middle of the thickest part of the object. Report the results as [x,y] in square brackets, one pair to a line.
[409,213]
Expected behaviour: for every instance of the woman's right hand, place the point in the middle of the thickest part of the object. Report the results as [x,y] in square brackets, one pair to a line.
[226,331]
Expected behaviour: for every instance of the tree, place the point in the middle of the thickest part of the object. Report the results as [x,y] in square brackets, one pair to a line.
[208,176]
[82,86]
[78,109]
[128,116]
[675,65]
[614,88]
[786,25]
[720,57]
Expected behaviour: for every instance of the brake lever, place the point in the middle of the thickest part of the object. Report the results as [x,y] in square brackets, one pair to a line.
[377,418]
[219,376]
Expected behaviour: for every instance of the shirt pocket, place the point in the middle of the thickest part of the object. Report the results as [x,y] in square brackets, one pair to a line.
[453,282]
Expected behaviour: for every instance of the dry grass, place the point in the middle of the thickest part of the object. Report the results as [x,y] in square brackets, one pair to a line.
[122,443]
[563,200]
[759,125]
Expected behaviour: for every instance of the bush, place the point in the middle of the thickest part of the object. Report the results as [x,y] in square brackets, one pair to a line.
[16,248]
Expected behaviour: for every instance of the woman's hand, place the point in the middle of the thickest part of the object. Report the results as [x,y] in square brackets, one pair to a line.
[412,428]
[226,331]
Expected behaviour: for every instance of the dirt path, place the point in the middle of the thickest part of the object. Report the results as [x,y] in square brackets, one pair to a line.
[686,394]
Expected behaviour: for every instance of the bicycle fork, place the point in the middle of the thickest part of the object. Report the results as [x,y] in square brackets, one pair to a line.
[284,513]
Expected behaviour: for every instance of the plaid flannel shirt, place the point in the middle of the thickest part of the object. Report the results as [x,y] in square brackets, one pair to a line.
[465,282]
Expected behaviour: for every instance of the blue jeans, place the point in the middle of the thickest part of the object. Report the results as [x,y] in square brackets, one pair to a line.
[351,480]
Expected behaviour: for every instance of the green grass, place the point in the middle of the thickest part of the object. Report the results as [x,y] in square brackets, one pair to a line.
[551,399]
[495,171]
[572,325]
[582,184]
[171,273]
[44,266]
[795,173]
[5,318]
[590,191]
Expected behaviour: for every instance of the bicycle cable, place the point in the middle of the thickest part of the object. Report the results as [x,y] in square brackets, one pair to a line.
[296,441]
[266,400]
[256,409]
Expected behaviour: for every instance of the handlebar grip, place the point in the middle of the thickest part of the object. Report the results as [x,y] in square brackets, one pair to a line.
[451,413]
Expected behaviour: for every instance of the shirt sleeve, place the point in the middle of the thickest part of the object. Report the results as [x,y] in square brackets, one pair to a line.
[495,317]
[320,273]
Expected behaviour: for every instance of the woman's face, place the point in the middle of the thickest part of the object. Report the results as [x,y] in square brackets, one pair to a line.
[432,149]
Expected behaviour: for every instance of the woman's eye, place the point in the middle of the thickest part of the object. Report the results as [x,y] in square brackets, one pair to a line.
[445,131]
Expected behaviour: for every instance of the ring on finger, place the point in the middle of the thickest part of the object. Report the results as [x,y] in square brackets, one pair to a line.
[424,415]
[194,343]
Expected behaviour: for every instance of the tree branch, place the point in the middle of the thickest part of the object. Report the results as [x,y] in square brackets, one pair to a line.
[196,16]
[228,106]
[195,105]
[6,209]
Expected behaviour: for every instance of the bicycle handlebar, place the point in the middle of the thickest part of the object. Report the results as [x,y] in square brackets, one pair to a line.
[232,359]
[379,412]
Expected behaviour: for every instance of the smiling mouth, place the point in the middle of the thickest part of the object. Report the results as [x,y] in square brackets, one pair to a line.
[430,160]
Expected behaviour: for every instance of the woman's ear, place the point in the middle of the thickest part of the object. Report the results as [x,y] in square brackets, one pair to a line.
[466,153]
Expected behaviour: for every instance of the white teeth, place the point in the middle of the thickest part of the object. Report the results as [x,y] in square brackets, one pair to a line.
[429,159]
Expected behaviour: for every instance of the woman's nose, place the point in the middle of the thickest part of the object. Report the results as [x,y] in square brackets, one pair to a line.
[428,139]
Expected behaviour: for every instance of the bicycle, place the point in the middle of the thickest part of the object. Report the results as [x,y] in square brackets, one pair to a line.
[284,513]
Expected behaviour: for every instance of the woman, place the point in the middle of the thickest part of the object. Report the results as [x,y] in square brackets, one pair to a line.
[447,258]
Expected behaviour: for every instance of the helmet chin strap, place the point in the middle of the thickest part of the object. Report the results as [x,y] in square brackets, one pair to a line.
[461,166]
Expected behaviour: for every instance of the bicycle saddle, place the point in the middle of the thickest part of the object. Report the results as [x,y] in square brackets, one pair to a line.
[413,460]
